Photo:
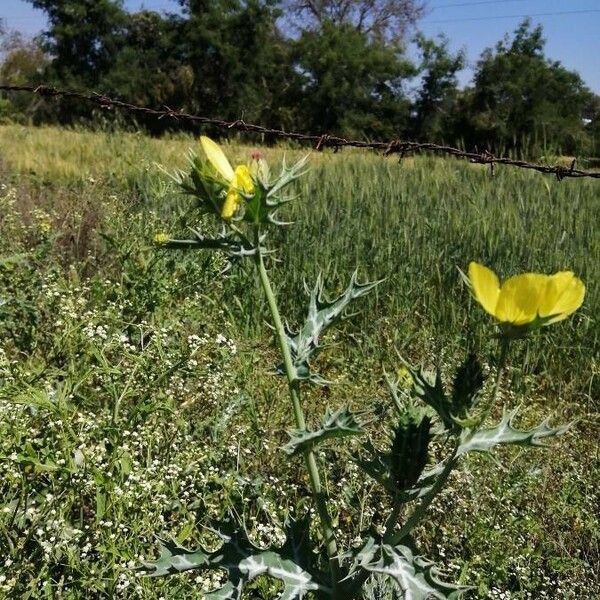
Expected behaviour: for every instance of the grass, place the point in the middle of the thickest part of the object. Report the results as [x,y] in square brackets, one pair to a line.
[136,390]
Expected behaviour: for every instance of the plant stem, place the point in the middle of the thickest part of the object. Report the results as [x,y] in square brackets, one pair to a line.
[504,347]
[294,390]
[419,512]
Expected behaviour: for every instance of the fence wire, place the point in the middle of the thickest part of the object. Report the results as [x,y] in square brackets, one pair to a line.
[395,146]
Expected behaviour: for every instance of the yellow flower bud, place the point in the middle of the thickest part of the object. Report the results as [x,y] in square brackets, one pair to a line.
[162,238]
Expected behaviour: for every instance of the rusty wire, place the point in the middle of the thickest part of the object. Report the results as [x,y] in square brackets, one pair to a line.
[396,146]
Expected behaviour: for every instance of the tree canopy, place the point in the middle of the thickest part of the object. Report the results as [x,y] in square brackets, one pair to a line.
[323,66]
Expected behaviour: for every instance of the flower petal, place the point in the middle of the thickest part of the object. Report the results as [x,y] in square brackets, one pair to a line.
[242,179]
[231,204]
[564,295]
[486,286]
[216,157]
[520,298]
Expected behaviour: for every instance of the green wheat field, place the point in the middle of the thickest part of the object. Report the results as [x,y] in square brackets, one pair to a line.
[137,394]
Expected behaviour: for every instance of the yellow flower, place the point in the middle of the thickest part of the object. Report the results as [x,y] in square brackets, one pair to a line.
[529,300]
[239,179]
[162,238]
[404,377]
[44,227]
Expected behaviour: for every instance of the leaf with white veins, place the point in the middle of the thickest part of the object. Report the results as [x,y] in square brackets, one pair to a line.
[322,313]
[484,440]
[243,562]
[341,423]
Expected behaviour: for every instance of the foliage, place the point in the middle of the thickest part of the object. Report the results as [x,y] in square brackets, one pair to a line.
[402,468]
[83,38]
[338,67]
[436,103]
[238,58]
[23,62]
[351,83]
[520,95]
[381,19]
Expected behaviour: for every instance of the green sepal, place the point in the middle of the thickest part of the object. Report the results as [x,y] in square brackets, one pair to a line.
[483,440]
[243,561]
[341,423]
[322,313]
[409,451]
[510,331]
[401,469]
[200,182]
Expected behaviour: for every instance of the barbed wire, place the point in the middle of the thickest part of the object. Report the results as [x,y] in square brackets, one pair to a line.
[395,146]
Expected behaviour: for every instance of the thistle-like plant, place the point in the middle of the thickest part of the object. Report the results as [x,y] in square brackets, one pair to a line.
[245,200]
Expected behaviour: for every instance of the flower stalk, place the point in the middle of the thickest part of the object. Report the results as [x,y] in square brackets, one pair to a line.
[300,422]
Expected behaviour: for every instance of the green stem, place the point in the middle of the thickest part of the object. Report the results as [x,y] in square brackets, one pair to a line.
[294,391]
[419,512]
[504,347]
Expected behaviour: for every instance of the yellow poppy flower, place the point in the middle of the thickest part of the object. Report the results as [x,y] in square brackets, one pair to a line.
[529,300]
[239,179]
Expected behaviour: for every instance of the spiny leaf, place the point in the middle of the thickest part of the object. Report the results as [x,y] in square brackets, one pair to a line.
[484,440]
[428,387]
[287,175]
[417,577]
[321,314]
[243,561]
[341,423]
[223,242]
[467,386]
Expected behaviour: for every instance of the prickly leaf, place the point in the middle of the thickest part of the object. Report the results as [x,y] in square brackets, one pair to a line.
[321,314]
[243,561]
[341,423]
[418,578]
[428,387]
[484,440]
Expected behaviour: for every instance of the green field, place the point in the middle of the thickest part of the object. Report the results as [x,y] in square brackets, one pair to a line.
[137,394]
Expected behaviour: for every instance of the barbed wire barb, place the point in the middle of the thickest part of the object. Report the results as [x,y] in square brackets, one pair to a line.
[319,141]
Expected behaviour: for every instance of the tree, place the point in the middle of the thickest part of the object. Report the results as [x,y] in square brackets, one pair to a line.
[384,19]
[521,98]
[150,66]
[239,59]
[435,104]
[351,84]
[23,63]
[23,60]
[83,38]
[592,125]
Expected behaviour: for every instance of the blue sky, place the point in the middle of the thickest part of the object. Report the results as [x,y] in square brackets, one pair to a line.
[573,39]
